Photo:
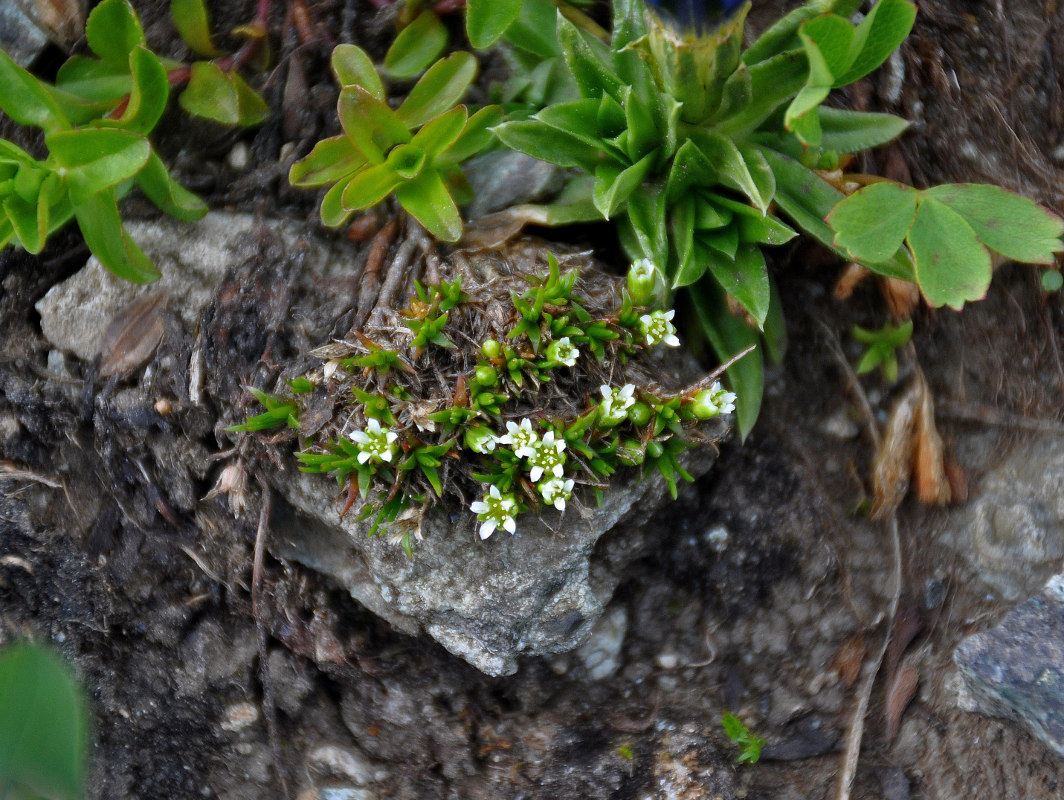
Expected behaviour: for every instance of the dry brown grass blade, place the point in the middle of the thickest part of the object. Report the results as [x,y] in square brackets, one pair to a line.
[900,693]
[894,456]
[930,481]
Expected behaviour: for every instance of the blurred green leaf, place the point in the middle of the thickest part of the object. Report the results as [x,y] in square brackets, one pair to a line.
[476,135]
[330,160]
[370,186]
[26,100]
[222,96]
[437,135]
[149,95]
[112,31]
[167,194]
[369,123]
[487,20]
[853,131]
[96,159]
[880,33]
[417,45]
[94,80]
[427,199]
[193,26]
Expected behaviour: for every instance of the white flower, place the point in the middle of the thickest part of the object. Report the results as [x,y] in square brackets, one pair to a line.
[547,456]
[556,491]
[494,511]
[521,438]
[725,401]
[615,403]
[563,351]
[480,440]
[657,328]
[710,402]
[375,443]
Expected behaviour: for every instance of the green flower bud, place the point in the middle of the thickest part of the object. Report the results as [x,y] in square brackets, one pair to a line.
[479,439]
[642,280]
[655,449]
[491,348]
[639,414]
[486,375]
[630,453]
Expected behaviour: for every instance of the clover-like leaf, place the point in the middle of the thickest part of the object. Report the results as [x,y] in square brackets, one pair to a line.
[952,266]
[113,30]
[487,20]
[193,26]
[417,45]
[871,224]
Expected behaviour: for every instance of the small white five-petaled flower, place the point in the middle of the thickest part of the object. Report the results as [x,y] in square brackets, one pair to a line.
[494,511]
[658,328]
[712,402]
[563,351]
[724,400]
[547,456]
[615,403]
[374,443]
[521,438]
[556,491]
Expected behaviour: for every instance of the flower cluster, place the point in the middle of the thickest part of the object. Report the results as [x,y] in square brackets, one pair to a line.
[657,328]
[613,410]
[374,443]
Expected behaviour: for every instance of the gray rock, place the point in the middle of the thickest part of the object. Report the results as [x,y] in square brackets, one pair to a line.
[503,178]
[1016,669]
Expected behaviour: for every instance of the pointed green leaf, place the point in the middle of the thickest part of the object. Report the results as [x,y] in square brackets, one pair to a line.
[535,29]
[871,224]
[588,60]
[168,195]
[952,267]
[690,168]
[210,94]
[25,99]
[417,45]
[487,20]
[369,123]
[476,135]
[643,134]
[370,186]
[774,331]
[682,224]
[438,134]
[709,216]
[745,279]
[733,171]
[772,83]
[44,725]
[880,33]
[251,108]
[439,89]
[783,35]
[329,161]
[1009,223]
[760,173]
[853,131]
[828,41]
[427,199]
[193,26]
[614,187]
[110,242]
[113,30]
[97,158]
[542,141]
[586,120]
[729,335]
[724,240]
[352,67]
[642,227]
[94,80]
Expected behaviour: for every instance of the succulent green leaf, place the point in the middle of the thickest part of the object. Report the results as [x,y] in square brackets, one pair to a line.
[547,143]
[437,135]
[406,160]
[96,159]
[113,30]
[210,94]
[167,194]
[26,100]
[614,187]
[352,67]
[333,213]
[724,240]
[329,161]
[94,80]
[369,123]
[370,186]
[709,216]
[871,224]
[642,227]
[745,279]
[590,121]
[110,242]
[880,33]
[251,108]
[487,20]
[535,29]
[772,83]
[690,168]
[476,135]
[151,91]
[44,724]
[439,89]
[588,60]
[1006,222]
[682,217]
[428,200]
[644,135]
[737,93]
[729,335]
[952,266]
[193,26]
[853,131]
[417,45]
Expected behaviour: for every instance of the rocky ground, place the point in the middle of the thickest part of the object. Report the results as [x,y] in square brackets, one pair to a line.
[763,591]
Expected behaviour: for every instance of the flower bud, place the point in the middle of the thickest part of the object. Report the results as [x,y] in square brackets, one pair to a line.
[479,439]
[630,453]
[642,280]
[639,414]
[486,375]
[491,349]
[655,449]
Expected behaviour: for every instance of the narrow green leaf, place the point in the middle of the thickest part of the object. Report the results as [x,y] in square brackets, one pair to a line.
[333,213]
[542,141]
[329,161]
[682,216]
[417,45]
[774,331]
[535,29]
[369,123]
[610,194]
[439,89]
[1009,223]
[167,194]
[438,134]
[853,131]
[370,186]
[487,20]
[193,26]
[729,335]
[96,159]
[44,724]
[94,80]
[428,200]
[880,33]
[352,67]
[211,94]
[25,99]
[476,135]
[783,35]
[588,60]
[690,168]
[724,240]
[589,121]
[760,173]
[828,41]
[952,267]
[871,224]
[772,83]
[113,30]
[733,171]
[150,93]
[110,242]
[745,279]
[642,227]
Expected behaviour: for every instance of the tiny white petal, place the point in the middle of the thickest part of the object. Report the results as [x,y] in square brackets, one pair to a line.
[607,393]
[671,340]
[628,390]
[387,456]
[558,470]
[510,525]
[650,339]
[536,474]
[494,492]
[391,436]
[560,504]
[363,457]
[487,529]
[359,436]
[669,314]
[478,506]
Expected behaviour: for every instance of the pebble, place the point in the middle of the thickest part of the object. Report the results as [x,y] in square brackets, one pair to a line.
[239,157]
[601,653]
[239,716]
[342,762]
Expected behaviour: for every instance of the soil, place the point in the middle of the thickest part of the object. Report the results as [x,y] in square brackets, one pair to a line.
[764,594]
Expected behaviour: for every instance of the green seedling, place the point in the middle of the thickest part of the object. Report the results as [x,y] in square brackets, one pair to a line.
[881,348]
[750,744]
